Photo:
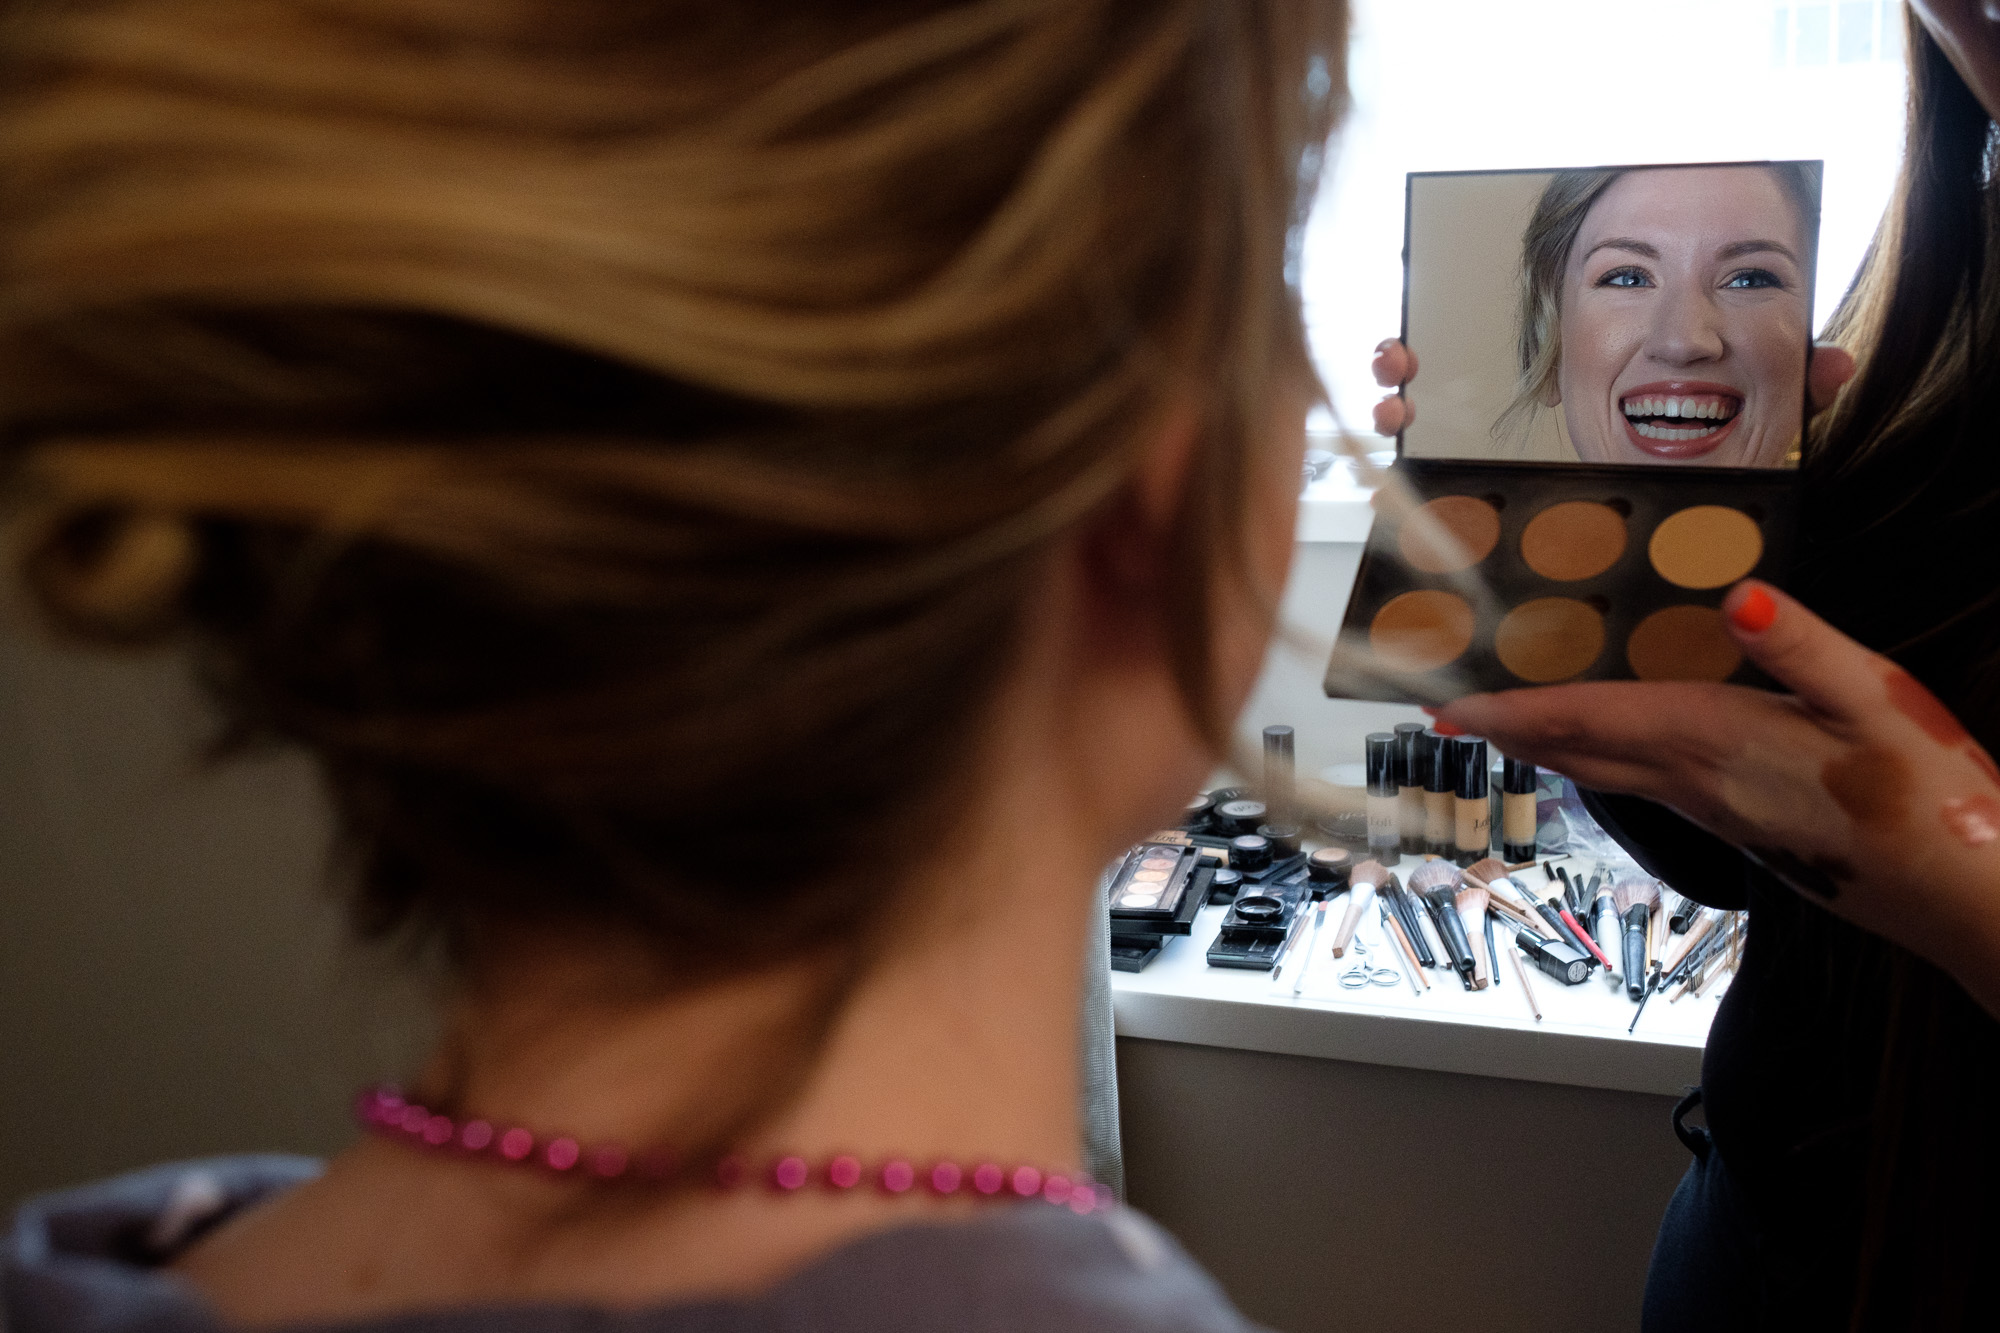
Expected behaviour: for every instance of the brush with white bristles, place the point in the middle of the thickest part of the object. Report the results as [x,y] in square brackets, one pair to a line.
[1362,882]
[1471,904]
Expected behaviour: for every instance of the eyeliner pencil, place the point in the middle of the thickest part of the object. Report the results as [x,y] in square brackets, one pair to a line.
[1492,953]
[1393,929]
[1285,949]
[1306,950]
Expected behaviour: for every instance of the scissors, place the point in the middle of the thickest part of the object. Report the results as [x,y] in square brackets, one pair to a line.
[1363,973]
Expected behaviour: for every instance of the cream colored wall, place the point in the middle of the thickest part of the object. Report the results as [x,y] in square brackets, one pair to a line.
[1464,267]
[173,979]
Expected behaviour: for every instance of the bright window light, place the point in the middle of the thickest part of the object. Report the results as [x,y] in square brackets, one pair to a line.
[1447,85]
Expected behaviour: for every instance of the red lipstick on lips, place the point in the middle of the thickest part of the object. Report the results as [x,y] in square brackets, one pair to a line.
[1683,418]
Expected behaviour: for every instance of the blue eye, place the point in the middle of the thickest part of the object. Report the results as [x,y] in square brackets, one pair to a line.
[1626,277]
[1754,277]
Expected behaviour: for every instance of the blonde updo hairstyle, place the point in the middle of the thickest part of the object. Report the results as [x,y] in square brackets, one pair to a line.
[618,438]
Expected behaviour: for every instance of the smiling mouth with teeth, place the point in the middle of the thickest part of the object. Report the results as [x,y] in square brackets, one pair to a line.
[1674,419]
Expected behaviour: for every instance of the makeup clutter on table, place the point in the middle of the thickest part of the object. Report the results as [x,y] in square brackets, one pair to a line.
[1437,843]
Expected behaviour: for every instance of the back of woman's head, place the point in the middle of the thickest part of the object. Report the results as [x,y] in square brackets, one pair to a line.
[620,437]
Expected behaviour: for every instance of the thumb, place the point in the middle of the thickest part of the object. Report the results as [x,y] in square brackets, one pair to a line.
[1828,671]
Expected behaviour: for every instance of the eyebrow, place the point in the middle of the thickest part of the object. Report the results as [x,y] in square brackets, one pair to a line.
[1734,250]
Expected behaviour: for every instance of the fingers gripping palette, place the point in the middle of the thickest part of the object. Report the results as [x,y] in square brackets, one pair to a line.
[1491,576]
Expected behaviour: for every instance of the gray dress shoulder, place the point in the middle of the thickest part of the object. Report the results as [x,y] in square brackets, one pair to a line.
[91,1260]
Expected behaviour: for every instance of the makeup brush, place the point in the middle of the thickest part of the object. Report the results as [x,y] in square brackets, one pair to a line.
[1471,904]
[1521,975]
[1635,900]
[1492,950]
[1583,938]
[1438,882]
[1486,871]
[1393,929]
[1362,882]
[1680,910]
[1698,930]
[1306,948]
[1605,920]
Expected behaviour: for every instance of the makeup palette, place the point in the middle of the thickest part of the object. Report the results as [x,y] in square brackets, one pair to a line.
[1501,575]
[1613,403]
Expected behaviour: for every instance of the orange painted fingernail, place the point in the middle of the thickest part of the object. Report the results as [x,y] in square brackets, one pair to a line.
[1755,612]
[1444,728]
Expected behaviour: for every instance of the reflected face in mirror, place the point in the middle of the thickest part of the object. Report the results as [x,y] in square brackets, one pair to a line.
[1685,321]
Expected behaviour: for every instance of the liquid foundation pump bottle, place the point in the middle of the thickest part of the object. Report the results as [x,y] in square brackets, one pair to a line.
[1410,787]
[1435,773]
[1473,822]
[1385,839]
[1517,810]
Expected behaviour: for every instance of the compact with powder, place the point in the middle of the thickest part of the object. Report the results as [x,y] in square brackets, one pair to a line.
[1611,408]
[1577,573]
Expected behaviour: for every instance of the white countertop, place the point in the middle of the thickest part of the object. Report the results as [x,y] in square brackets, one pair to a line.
[1580,1041]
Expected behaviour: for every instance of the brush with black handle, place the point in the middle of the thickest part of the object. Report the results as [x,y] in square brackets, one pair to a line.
[1635,900]
[1438,884]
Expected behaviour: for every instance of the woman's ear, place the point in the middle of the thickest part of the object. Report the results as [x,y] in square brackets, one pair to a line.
[1160,480]
[1552,394]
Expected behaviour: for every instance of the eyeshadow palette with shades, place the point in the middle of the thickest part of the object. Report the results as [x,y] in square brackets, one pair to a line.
[1501,575]
[1612,407]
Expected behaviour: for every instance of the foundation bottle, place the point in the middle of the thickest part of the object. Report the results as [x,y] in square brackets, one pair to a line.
[1473,821]
[1385,840]
[1517,811]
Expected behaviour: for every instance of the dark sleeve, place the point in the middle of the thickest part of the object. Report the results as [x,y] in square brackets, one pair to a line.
[1693,861]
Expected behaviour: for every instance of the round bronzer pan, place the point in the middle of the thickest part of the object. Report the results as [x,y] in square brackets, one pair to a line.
[1577,539]
[1706,546]
[1549,639]
[1683,643]
[1422,630]
[1450,533]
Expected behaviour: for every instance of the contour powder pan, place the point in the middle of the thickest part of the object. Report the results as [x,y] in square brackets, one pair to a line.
[1538,573]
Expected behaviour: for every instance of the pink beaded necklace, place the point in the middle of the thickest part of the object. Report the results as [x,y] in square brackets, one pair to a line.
[384,1111]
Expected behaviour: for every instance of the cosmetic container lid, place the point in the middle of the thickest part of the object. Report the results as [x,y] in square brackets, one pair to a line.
[1431,770]
[1284,837]
[1252,851]
[1243,816]
[1381,764]
[1197,806]
[1519,777]
[1470,767]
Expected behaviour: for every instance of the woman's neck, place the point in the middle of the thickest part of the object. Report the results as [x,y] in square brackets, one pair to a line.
[959,1040]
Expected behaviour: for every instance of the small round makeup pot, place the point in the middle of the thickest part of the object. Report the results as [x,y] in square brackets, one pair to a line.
[1284,838]
[1239,817]
[1250,852]
[1259,908]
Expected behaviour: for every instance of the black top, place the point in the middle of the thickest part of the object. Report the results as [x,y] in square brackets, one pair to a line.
[1790,1083]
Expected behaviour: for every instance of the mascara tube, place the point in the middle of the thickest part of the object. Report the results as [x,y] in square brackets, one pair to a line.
[1385,842]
